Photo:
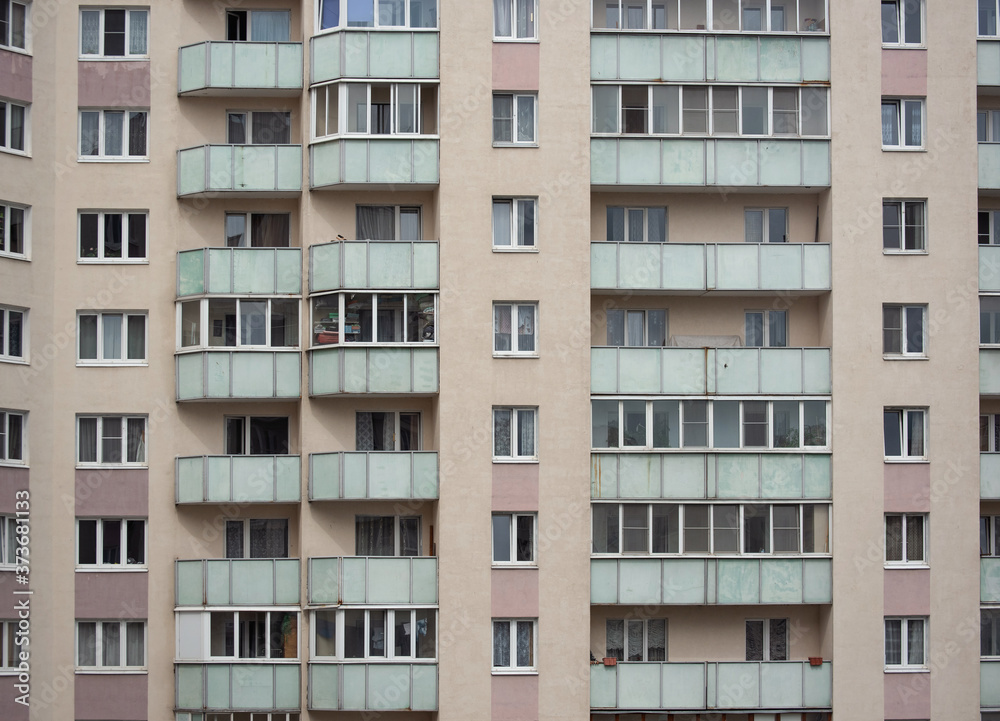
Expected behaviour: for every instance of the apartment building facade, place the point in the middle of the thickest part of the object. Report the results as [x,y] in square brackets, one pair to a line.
[417,359]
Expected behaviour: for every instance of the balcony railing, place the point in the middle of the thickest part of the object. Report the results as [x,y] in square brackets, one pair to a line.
[220,375]
[363,264]
[367,53]
[989,476]
[723,581]
[700,371]
[989,268]
[709,162]
[240,68]
[989,371]
[989,580]
[373,475]
[710,476]
[237,686]
[989,166]
[266,171]
[689,687]
[371,369]
[700,58]
[988,62]
[707,267]
[245,271]
[373,686]
[237,582]
[239,479]
[989,684]
[373,580]
[374,162]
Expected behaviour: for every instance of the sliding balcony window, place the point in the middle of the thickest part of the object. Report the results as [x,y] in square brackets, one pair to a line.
[387,536]
[12,437]
[989,320]
[258,230]
[399,318]
[386,431]
[637,225]
[238,323]
[749,16]
[637,328]
[271,26]
[257,538]
[334,14]
[246,634]
[388,222]
[636,639]
[258,127]
[256,435]
[375,634]
[14,230]
[375,109]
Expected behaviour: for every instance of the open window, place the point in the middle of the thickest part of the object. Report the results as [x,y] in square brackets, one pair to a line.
[258,25]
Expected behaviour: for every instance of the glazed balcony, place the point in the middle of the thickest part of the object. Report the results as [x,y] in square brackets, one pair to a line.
[989,371]
[373,475]
[373,162]
[241,374]
[238,479]
[237,686]
[396,370]
[244,271]
[989,166]
[988,62]
[989,476]
[989,268]
[245,171]
[369,53]
[989,580]
[989,684]
[372,264]
[240,69]
[373,687]
[237,582]
[373,580]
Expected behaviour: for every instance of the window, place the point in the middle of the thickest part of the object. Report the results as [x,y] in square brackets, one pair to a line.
[904,539]
[13,24]
[375,634]
[637,639]
[387,535]
[989,624]
[750,16]
[514,645]
[505,317]
[513,119]
[767,639]
[514,20]
[259,127]
[9,654]
[514,538]
[110,542]
[637,225]
[901,22]
[905,643]
[375,109]
[989,319]
[257,538]
[765,225]
[113,236]
[377,13]
[258,230]
[113,32]
[113,134]
[13,334]
[989,433]
[637,328]
[110,644]
[253,634]
[514,435]
[989,227]
[111,440]
[271,26]
[987,18]
[12,445]
[388,222]
[902,124]
[239,323]
[988,126]
[256,435]
[381,431]
[989,535]
[111,338]
[904,330]
[903,223]
[905,433]
[766,328]
[8,541]
[374,318]
[515,223]
[13,125]
[14,229]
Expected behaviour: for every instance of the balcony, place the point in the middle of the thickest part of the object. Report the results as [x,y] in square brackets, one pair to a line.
[373,580]
[643,162]
[989,580]
[723,581]
[988,62]
[989,371]
[989,476]
[366,53]
[371,264]
[236,686]
[248,375]
[374,163]
[238,479]
[690,687]
[374,475]
[700,371]
[237,582]
[989,684]
[373,369]
[989,268]
[245,271]
[989,166]
[697,268]
[373,686]
[249,171]
[762,476]
[700,58]
[240,69]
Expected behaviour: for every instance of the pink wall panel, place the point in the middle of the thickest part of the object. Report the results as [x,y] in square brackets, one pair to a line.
[113,84]
[122,595]
[113,697]
[10,710]
[12,480]
[907,487]
[514,593]
[112,492]
[907,695]
[515,486]
[515,66]
[904,72]
[15,76]
[515,698]
[907,592]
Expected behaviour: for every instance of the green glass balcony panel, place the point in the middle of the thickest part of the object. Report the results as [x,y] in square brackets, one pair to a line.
[989,684]
[219,68]
[784,475]
[189,583]
[250,170]
[815,60]
[684,581]
[989,371]
[228,582]
[604,57]
[238,479]
[603,580]
[324,580]
[638,265]
[374,264]
[373,687]
[683,57]
[817,685]
[682,685]
[324,686]
[639,370]
[817,479]
[987,62]
[989,268]
[781,163]
[738,685]
[207,375]
[781,265]
[780,59]
[325,267]
[389,580]
[737,475]
[639,685]
[639,581]
[604,475]
[371,369]
[374,162]
[683,371]
[603,686]
[782,370]
[817,580]
[781,685]
[738,581]
[247,271]
[989,476]
[385,475]
[781,581]
[638,57]
[603,370]
[355,688]
[684,162]
[737,162]
[382,678]
[603,161]
[372,580]
[816,163]
[989,580]
[363,53]
[737,266]
[189,686]
[684,266]
[639,476]
[737,58]
[224,686]
[638,162]
[191,272]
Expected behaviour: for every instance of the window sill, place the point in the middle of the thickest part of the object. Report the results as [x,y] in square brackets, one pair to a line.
[893,357]
[244,349]
[497,354]
[408,660]
[11,151]
[703,31]
[897,566]
[515,145]
[915,669]
[123,466]
[504,566]
[14,256]
[113,58]
[896,461]
[721,451]
[514,672]
[702,555]
[901,149]
[13,464]
[108,364]
[530,41]
[503,460]
[112,671]
[904,46]
[18,51]
[502,249]
[16,361]
[111,261]
[904,252]
[247,661]
[111,569]
[97,159]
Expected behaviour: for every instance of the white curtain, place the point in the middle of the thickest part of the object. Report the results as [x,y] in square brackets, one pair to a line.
[114,120]
[501,327]
[136,440]
[634,335]
[270,26]
[90,31]
[501,18]
[501,222]
[615,631]
[375,536]
[138,30]
[112,332]
[525,644]
[88,440]
[137,133]
[501,433]
[501,644]
[635,640]
[86,634]
[526,328]
[526,119]
[135,652]
[890,124]
[364,435]
[375,222]
[526,433]
[525,18]
[111,654]
[754,226]
[893,643]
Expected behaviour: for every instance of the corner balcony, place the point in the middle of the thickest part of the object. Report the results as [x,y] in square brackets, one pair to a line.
[370,53]
[700,371]
[622,163]
[238,479]
[373,475]
[240,374]
[374,163]
[240,171]
[703,58]
[373,580]
[373,687]
[373,369]
[697,268]
[783,686]
[373,264]
[989,684]
[237,686]
[240,69]
[988,62]
[763,476]
[237,582]
[720,580]
[989,580]
[245,271]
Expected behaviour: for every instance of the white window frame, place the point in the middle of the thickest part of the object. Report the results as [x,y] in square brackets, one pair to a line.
[6,440]
[245,522]
[397,224]
[904,623]
[397,433]
[989,423]
[902,23]
[514,428]
[7,208]
[99,450]
[649,22]
[625,655]
[25,334]
[994,626]
[989,531]
[901,105]
[248,236]
[376,20]
[7,110]
[247,434]
[122,645]
[341,322]
[765,214]
[248,20]
[8,541]
[510,9]
[100,54]
[515,139]
[627,211]
[992,218]
[901,205]
[126,216]
[513,667]
[996,23]
[389,640]
[514,309]
[512,532]
[102,155]
[767,318]
[516,239]
[101,359]
[768,632]
[903,334]
[630,342]
[903,427]
[7,39]
[205,331]
[339,92]
[202,626]
[9,649]
[988,126]
[397,534]
[123,532]
[248,121]
[905,520]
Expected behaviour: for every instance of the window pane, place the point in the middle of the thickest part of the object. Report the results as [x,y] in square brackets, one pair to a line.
[893,538]
[726,529]
[135,653]
[915,642]
[86,542]
[615,635]
[605,109]
[136,337]
[696,528]
[726,423]
[604,424]
[912,123]
[501,432]
[501,222]
[893,642]
[111,654]
[354,634]
[426,633]
[778,650]
[755,640]
[915,433]
[114,32]
[114,122]
[786,424]
[526,119]
[376,633]
[501,644]
[666,528]
[695,112]
[253,322]
[526,328]
[360,13]
[112,335]
[616,327]
[892,428]
[136,235]
[525,539]
[776,225]
[814,111]
[88,337]
[605,528]
[890,124]
[86,635]
[914,538]
[137,134]
[911,21]
[755,424]
[90,123]
[636,629]
[754,111]
[756,529]
[914,226]
[786,529]
[501,539]
[90,32]
[525,644]
[656,335]
[656,639]
[914,329]
[892,329]
[111,546]
[503,118]
[890,22]
[754,329]
[777,328]
[402,635]
[753,222]
[695,424]
[526,223]
[635,528]
[635,423]
[525,433]
[234,539]
[135,542]
[111,439]
[87,443]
